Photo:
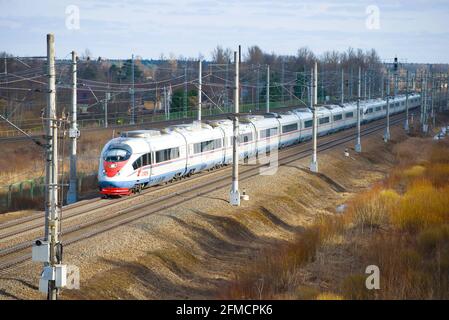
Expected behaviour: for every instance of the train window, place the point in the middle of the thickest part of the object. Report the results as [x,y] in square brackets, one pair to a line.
[308,123]
[207,145]
[397,104]
[378,108]
[146,159]
[268,132]
[384,107]
[167,154]
[324,120]
[349,114]
[290,127]
[338,117]
[217,143]
[247,137]
[116,155]
[137,164]
[197,147]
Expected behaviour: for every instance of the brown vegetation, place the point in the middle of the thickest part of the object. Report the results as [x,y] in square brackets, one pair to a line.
[400,225]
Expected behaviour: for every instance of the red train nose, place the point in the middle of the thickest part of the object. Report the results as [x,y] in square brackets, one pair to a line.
[112,168]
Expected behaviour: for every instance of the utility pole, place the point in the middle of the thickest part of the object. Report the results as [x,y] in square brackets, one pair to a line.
[185,90]
[421,117]
[424,113]
[432,98]
[351,84]
[446,84]
[73,134]
[406,126]
[282,81]
[52,222]
[382,81]
[169,97]
[165,102]
[313,101]
[132,122]
[226,86]
[106,98]
[369,86]
[342,86]
[387,129]
[364,85]
[257,89]
[200,82]
[240,62]
[235,193]
[358,145]
[395,77]
[268,88]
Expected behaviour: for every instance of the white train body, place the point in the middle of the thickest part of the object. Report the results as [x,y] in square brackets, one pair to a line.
[144,158]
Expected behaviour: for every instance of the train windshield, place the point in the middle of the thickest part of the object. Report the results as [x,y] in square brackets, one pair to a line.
[116,155]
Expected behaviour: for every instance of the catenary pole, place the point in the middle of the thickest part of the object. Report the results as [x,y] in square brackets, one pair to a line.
[387,129]
[200,82]
[51,197]
[133,102]
[424,113]
[406,125]
[358,145]
[268,89]
[73,134]
[342,86]
[106,96]
[235,193]
[314,95]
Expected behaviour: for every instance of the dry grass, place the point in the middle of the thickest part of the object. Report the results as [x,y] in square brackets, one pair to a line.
[273,273]
[412,252]
[407,217]
[422,206]
[372,209]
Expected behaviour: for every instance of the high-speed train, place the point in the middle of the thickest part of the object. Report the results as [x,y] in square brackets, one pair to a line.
[142,158]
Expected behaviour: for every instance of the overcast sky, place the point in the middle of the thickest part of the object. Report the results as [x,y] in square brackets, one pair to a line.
[415,30]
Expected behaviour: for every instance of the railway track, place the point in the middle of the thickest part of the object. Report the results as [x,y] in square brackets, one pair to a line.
[127,210]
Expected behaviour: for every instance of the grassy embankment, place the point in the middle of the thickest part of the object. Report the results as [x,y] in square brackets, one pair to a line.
[401,225]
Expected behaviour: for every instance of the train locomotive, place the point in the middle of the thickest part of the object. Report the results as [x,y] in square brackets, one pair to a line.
[142,158]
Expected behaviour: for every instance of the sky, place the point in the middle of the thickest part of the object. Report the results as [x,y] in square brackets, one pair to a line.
[414,30]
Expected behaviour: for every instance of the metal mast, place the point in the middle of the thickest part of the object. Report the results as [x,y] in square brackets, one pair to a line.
[387,129]
[358,145]
[342,86]
[313,101]
[51,197]
[200,82]
[268,88]
[132,92]
[235,193]
[73,134]
[406,126]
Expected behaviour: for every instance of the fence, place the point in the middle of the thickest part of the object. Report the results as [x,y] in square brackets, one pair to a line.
[30,194]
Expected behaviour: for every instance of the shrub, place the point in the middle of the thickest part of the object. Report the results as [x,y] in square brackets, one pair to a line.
[372,209]
[422,206]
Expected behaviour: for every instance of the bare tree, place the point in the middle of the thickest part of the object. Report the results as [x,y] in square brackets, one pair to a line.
[221,56]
